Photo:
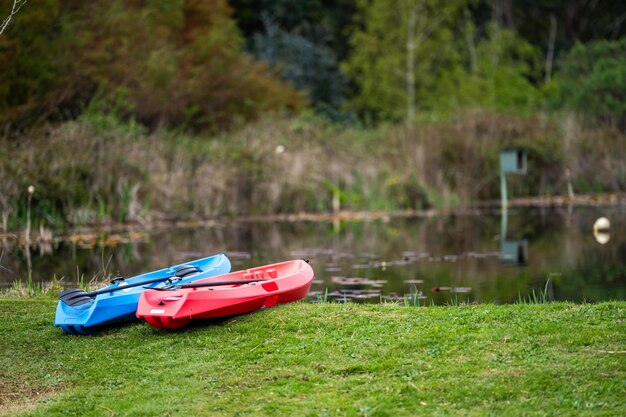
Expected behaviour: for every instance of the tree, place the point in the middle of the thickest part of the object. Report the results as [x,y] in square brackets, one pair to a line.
[17,5]
[303,41]
[310,66]
[178,63]
[592,81]
[412,56]
[502,76]
[401,51]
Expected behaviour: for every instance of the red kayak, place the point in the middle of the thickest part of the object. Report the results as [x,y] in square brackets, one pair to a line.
[226,295]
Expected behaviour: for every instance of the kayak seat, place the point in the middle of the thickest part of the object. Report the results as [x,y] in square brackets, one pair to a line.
[262,274]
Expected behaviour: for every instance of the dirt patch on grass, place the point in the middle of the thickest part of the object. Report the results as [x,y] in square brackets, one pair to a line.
[20,396]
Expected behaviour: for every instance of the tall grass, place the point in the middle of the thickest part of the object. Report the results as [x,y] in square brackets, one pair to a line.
[536,298]
[29,289]
[86,173]
[412,299]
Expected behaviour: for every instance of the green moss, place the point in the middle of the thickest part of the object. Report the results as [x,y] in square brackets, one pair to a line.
[325,359]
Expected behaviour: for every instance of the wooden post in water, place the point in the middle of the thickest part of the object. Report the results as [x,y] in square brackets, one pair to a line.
[512,161]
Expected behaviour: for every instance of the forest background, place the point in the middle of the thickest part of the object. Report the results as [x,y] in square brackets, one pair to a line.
[124,111]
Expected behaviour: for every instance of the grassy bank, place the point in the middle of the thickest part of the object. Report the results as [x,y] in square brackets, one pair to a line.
[325,359]
[98,170]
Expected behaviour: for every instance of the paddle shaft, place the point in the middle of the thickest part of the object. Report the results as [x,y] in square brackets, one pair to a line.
[123,287]
[218,283]
[75,296]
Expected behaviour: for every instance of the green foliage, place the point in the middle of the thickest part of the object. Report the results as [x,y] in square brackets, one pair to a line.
[181,63]
[311,66]
[177,63]
[409,192]
[29,66]
[494,70]
[378,63]
[322,22]
[303,41]
[122,70]
[534,298]
[101,169]
[592,81]
[501,78]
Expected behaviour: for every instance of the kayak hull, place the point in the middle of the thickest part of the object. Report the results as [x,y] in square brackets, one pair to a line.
[121,305]
[281,283]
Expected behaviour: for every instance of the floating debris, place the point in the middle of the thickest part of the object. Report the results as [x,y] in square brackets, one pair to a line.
[136,235]
[365,296]
[343,255]
[395,297]
[311,252]
[347,294]
[356,294]
[91,240]
[452,289]
[414,281]
[316,293]
[82,238]
[358,281]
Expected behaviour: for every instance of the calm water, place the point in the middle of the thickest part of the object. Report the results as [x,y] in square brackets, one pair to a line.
[446,258]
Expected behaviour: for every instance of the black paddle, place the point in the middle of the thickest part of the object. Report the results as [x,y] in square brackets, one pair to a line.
[75,296]
[208,284]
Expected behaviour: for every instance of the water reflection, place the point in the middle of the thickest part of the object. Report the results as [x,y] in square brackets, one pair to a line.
[512,252]
[460,258]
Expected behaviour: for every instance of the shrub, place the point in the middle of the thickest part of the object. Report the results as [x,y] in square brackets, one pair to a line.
[592,81]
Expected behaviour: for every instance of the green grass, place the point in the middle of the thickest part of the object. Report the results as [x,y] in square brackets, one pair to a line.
[324,360]
[534,298]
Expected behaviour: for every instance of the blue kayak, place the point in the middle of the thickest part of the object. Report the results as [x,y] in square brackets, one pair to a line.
[79,312]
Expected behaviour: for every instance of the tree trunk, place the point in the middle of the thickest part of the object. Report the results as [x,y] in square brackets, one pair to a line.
[550,56]
[410,65]
[471,42]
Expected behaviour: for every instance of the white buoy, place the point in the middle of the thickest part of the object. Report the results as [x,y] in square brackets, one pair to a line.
[601,230]
[601,224]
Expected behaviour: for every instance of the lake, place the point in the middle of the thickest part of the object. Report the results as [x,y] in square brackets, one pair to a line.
[432,260]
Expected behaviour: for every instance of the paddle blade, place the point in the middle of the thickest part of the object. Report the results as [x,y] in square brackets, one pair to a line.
[75,297]
[183,271]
